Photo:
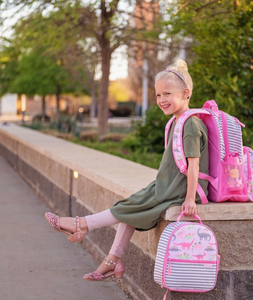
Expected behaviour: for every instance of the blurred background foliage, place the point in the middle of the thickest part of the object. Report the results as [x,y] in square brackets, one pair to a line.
[219,39]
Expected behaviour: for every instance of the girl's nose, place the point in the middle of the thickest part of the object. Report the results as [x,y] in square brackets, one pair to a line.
[162,99]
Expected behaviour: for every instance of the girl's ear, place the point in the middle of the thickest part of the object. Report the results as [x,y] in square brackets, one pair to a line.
[186,94]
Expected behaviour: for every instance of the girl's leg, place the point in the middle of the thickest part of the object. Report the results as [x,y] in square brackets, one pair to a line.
[102,219]
[122,238]
[90,222]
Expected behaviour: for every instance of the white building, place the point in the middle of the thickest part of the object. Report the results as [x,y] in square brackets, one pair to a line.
[8,105]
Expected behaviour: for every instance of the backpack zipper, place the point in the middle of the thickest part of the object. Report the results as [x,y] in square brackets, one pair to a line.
[169,268]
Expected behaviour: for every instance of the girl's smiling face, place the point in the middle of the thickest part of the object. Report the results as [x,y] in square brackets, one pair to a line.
[170,99]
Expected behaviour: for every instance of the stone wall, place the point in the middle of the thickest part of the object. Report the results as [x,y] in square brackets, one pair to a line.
[48,163]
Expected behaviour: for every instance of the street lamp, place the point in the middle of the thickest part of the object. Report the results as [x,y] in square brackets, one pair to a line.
[144,87]
[23,107]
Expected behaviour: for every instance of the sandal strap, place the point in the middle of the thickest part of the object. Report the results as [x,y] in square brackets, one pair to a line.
[78,229]
[110,262]
[95,276]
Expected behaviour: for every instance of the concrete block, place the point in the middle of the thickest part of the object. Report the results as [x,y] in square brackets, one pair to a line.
[57,199]
[243,284]
[139,274]
[216,211]
[91,194]
[111,198]
[95,196]
[53,170]
[235,242]
[10,156]
[141,240]
[7,141]
[78,209]
[73,207]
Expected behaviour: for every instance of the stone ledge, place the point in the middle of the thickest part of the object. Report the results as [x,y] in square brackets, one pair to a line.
[111,172]
[223,211]
[120,176]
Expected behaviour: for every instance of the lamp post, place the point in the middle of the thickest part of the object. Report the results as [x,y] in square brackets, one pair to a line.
[23,108]
[144,88]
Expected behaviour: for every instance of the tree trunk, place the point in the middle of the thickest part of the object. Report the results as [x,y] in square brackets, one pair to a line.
[43,106]
[58,93]
[93,97]
[103,92]
[235,5]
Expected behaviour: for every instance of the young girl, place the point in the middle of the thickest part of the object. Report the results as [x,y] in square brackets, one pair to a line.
[142,210]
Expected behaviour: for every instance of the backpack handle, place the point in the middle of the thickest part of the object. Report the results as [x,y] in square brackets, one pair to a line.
[183,213]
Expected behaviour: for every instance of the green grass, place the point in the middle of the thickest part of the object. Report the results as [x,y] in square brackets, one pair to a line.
[151,160]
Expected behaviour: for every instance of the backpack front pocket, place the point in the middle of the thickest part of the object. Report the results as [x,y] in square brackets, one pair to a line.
[232,178]
[190,275]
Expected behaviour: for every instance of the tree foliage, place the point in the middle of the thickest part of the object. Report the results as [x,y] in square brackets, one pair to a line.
[40,59]
[104,25]
[218,36]
[38,74]
[8,67]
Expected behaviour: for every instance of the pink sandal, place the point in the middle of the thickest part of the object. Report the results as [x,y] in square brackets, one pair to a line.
[54,221]
[118,269]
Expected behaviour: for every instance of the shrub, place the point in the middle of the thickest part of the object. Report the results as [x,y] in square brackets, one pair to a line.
[150,135]
[130,142]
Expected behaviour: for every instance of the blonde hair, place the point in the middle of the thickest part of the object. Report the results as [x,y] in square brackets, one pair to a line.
[178,73]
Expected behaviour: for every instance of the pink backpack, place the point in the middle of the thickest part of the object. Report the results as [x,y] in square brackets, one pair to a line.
[230,170]
[248,170]
[187,258]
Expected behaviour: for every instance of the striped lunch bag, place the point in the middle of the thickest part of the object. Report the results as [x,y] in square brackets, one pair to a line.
[187,258]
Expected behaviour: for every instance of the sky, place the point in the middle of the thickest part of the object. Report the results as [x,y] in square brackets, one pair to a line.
[119,65]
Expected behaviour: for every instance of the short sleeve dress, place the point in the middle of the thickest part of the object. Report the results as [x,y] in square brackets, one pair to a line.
[144,208]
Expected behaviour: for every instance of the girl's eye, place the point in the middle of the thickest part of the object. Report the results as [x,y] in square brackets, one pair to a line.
[157,95]
[167,93]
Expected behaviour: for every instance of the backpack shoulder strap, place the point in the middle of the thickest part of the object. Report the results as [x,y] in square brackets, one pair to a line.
[178,149]
[167,129]
[177,141]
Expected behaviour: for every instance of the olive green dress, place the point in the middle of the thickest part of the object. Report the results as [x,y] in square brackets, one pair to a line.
[144,208]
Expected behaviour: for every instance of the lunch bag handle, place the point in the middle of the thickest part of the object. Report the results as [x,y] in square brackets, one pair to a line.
[183,213]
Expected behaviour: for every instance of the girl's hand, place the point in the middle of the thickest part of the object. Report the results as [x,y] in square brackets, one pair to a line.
[189,207]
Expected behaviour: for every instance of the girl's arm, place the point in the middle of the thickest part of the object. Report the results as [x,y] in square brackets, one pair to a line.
[189,205]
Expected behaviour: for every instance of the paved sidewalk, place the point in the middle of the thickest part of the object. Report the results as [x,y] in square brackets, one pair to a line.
[37,262]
